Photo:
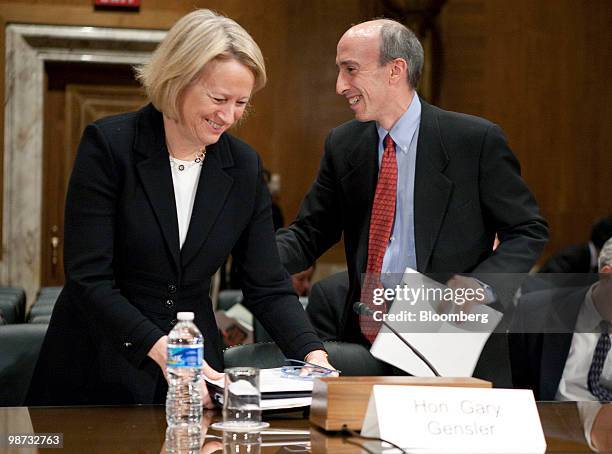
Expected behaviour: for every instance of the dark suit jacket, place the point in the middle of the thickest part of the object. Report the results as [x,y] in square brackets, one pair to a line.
[326,305]
[572,259]
[540,338]
[126,277]
[467,188]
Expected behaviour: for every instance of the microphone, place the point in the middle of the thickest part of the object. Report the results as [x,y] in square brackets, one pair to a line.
[362,309]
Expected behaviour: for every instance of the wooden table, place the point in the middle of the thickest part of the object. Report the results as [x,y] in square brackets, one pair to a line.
[142,429]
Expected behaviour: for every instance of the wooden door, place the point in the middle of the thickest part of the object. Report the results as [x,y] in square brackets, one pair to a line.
[76,94]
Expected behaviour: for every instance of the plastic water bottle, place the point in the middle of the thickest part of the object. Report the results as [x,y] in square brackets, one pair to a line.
[184,369]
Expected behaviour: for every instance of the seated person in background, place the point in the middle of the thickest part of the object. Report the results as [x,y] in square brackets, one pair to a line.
[302,281]
[573,266]
[560,339]
[581,258]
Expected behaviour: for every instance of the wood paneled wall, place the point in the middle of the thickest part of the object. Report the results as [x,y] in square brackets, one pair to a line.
[540,70]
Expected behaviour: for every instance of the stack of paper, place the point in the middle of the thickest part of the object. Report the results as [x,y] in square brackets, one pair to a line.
[277,390]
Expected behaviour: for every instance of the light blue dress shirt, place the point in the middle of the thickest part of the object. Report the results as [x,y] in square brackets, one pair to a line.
[401,251]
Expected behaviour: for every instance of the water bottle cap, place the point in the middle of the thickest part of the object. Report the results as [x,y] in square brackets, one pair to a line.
[185,316]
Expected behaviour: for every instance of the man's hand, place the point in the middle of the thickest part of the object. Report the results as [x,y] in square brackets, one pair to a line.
[471,291]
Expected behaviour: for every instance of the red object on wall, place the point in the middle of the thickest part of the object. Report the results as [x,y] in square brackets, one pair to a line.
[118,3]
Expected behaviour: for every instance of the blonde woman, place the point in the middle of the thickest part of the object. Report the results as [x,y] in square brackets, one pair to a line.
[156,202]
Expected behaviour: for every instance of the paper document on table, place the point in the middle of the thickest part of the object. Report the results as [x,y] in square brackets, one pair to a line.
[273,382]
[290,402]
[277,391]
[452,347]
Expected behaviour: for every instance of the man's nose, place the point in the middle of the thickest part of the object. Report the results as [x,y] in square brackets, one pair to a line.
[341,85]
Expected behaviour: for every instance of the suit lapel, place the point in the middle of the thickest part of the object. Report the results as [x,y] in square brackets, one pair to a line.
[432,189]
[360,184]
[156,175]
[213,188]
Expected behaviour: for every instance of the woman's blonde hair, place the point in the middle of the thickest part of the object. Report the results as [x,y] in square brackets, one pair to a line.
[196,39]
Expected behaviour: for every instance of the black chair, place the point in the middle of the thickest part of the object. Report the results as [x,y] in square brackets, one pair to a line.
[40,310]
[44,318]
[10,309]
[15,297]
[46,300]
[19,348]
[50,291]
[350,359]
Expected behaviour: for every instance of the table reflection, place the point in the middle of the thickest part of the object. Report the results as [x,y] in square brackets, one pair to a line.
[191,439]
[241,443]
[568,427]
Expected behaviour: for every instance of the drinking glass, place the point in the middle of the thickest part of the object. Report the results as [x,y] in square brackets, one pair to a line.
[241,397]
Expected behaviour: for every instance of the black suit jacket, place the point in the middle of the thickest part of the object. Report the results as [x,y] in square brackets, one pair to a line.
[572,259]
[326,305]
[126,277]
[467,188]
[540,338]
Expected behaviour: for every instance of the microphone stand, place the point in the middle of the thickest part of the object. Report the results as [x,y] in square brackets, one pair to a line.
[362,309]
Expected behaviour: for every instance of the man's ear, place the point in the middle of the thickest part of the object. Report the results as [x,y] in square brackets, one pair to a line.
[399,70]
[606,269]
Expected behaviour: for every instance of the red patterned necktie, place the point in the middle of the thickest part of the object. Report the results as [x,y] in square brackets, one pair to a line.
[381,225]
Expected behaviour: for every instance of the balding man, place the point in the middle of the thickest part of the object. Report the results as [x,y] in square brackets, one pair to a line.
[560,339]
[408,184]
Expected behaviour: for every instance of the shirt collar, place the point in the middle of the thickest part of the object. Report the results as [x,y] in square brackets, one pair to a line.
[404,128]
[588,317]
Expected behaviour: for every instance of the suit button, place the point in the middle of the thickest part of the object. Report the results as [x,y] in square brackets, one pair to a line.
[171,288]
[169,304]
[127,344]
[173,321]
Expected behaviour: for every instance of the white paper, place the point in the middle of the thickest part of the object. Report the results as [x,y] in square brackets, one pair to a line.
[446,419]
[453,349]
[280,404]
[272,380]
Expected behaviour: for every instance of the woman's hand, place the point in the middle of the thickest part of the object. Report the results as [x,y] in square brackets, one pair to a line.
[212,374]
[319,357]
[159,354]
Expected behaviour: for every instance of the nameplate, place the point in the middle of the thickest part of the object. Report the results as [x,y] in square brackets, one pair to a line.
[443,419]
